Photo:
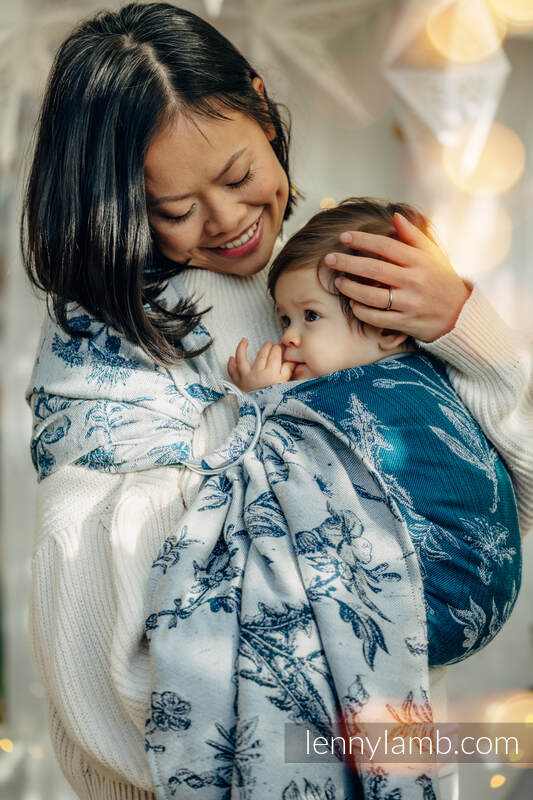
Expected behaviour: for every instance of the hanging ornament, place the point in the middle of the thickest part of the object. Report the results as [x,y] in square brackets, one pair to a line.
[444,93]
[303,32]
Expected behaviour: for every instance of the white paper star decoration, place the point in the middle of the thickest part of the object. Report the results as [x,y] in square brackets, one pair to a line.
[301,31]
[445,94]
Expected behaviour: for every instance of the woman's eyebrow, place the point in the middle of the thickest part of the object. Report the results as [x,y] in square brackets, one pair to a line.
[172,198]
[231,162]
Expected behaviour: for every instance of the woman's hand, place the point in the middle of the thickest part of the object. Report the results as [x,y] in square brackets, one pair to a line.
[267,369]
[427,294]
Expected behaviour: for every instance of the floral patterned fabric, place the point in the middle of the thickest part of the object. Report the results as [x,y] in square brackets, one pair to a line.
[343,522]
[100,402]
[293,590]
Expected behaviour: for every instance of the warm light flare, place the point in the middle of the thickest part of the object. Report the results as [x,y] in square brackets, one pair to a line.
[496,781]
[515,708]
[6,745]
[517,13]
[477,236]
[488,168]
[327,203]
[464,31]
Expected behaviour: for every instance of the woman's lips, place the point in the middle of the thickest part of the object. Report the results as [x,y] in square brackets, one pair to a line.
[243,249]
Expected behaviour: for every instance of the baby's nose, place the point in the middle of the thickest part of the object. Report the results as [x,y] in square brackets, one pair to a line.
[291,337]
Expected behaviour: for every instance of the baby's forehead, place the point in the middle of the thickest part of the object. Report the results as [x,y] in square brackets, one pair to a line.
[303,279]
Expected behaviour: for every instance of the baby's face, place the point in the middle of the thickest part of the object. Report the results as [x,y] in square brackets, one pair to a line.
[317,336]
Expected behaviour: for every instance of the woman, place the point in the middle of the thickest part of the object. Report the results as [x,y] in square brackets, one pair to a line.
[160,152]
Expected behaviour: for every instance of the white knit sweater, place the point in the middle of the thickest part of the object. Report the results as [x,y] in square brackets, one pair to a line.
[98,534]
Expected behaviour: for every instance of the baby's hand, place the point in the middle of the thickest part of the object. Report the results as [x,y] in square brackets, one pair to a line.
[267,369]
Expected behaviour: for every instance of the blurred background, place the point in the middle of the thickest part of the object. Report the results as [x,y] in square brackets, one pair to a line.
[427,101]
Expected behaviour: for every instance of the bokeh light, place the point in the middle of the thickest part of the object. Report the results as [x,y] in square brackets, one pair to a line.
[490,169]
[476,234]
[497,781]
[327,202]
[6,745]
[518,13]
[465,31]
[515,707]
[36,752]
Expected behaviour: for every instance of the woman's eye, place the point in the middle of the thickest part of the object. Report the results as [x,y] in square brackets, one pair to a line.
[180,217]
[285,322]
[248,177]
[311,316]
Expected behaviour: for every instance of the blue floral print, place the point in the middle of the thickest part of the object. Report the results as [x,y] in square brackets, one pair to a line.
[321,555]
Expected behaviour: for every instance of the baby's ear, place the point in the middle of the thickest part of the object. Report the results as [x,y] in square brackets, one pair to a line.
[390,340]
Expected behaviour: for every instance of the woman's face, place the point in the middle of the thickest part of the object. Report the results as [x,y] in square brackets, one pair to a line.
[216,193]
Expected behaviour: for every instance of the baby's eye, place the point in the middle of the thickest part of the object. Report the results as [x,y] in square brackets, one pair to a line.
[285,321]
[311,316]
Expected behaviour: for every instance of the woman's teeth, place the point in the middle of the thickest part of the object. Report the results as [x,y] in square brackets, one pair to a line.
[243,239]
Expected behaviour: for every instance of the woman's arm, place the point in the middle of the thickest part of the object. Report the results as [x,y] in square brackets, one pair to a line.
[97,539]
[489,363]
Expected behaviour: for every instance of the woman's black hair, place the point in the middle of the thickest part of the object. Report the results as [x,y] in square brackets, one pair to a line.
[85,232]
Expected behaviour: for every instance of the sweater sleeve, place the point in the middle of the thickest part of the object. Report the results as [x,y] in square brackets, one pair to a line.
[491,367]
[98,535]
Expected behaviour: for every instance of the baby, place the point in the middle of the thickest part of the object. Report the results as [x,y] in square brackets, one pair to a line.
[417,437]
[321,334]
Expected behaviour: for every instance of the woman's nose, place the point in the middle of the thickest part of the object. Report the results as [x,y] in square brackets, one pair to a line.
[225,217]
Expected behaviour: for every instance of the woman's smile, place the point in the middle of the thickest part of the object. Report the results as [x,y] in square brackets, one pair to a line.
[245,242]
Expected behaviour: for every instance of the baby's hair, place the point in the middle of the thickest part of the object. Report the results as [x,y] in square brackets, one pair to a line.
[321,235]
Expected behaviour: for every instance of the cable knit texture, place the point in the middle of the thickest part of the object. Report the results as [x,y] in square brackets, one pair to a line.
[98,534]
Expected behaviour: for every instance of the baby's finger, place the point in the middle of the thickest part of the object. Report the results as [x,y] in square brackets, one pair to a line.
[241,357]
[274,357]
[262,356]
[287,368]
[233,372]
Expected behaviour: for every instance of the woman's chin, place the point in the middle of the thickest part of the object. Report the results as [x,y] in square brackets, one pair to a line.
[245,266]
